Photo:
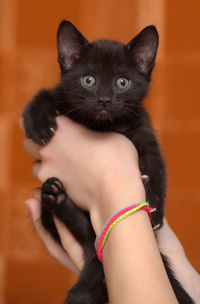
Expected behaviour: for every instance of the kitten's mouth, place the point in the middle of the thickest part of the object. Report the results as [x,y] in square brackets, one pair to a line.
[103,115]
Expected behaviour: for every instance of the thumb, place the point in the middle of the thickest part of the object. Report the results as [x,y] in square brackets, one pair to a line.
[55,250]
[34,208]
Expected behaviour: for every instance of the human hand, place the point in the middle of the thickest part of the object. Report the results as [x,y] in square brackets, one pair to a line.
[62,155]
[170,246]
[71,255]
[54,162]
[102,166]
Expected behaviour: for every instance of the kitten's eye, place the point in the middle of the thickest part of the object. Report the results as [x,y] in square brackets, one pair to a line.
[122,83]
[89,81]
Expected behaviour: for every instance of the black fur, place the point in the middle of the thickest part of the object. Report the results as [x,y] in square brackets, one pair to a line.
[121,76]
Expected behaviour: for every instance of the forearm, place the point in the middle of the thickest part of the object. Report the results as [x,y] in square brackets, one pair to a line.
[170,246]
[133,267]
[132,263]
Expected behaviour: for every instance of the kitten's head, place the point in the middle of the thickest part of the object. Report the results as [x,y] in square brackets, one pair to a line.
[105,81]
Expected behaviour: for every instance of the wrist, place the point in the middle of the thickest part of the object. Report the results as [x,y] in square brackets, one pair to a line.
[115,196]
[117,217]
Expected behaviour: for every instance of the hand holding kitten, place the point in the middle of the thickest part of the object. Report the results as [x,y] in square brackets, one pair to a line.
[91,162]
[55,161]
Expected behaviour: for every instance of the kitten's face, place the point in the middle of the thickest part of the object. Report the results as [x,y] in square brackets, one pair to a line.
[103,81]
[105,85]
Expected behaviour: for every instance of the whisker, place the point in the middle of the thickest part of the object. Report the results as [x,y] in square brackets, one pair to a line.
[133,112]
[130,117]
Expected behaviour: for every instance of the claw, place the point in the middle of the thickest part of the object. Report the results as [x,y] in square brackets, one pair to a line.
[156,227]
[52,130]
[153,210]
[145,177]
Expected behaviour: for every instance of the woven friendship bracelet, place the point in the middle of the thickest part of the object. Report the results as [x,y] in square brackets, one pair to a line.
[113,221]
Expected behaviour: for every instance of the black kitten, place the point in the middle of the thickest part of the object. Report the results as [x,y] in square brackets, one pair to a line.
[102,86]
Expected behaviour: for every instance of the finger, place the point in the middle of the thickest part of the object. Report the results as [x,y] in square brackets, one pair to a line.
[21,124]
[37,195]
[39,171]
[71,245]
[168,241]
[32,148]
[36,169]
[42,170]
[54,249]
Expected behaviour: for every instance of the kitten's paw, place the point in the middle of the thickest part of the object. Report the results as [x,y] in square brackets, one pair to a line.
[83,298]
[40,130]
[53,193]
[78,295]
[40,117]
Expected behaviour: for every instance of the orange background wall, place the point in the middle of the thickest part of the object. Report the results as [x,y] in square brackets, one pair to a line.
[28,62]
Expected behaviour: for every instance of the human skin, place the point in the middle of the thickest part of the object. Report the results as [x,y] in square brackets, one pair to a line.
[102,192]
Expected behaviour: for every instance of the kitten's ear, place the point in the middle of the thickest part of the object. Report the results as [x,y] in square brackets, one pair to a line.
[70,44]
[143,49]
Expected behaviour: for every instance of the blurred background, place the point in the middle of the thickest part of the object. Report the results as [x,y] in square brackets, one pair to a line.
[28,62]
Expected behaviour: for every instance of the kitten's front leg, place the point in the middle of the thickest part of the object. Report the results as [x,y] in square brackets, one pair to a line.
[151,163]
[39,117]
[90,287]
[55,202]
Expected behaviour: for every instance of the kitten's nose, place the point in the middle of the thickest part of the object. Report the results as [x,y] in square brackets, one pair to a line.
[104,101]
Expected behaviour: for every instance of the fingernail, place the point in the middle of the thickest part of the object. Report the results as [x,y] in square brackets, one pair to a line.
[21,123]
[27,203]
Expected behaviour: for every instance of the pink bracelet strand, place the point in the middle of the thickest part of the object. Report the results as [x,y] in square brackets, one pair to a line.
[114,220]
